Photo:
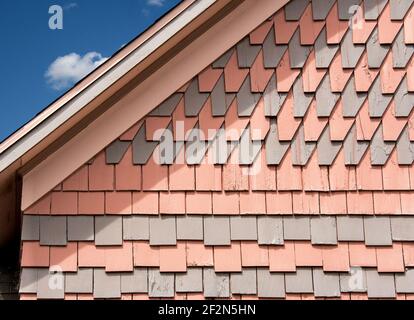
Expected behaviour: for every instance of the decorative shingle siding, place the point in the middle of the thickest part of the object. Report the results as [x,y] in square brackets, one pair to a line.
[310,197]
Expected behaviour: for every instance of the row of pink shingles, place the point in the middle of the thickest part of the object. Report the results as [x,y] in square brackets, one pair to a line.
[233,258]
[228,203]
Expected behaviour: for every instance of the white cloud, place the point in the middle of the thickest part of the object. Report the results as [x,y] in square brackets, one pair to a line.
[67,70]
[156,3]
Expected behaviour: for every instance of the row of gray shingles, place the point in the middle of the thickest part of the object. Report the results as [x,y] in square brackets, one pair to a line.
[250,281]
[217,230]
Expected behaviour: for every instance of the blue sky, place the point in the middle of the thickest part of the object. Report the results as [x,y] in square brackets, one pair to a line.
[38,64]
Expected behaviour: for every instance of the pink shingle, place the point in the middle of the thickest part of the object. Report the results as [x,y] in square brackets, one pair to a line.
[40,207]
[279,202]
[287,124]
[64,203]
[341,176]
[226,203]
[368,177]
[119,259]
[90,256]
[234,77]
[288,177]
[77,181]
[34,255]
[309,28]
[282,258]
[91,203]
[253,255]
[199,203]
[333,203]
[360,203]
[390,77]
[155,127]
[313,125]
[336,258]
[339,77]
[387,28]
[199,255]
[154,176]
[286,76]
[145,255]
[314,176]
[261,176]
[335,28]
[306,203]
[364,76]
[408,251]
[387,203]
[101,175]
[173,258]
[182,177]
[259,75]
[307,255]
[65,257]
[259,34]
[395,177]
[228,258]
[362,256]
[145,202]
[118,203]
[284,30]
[127,176]
[208,78]
[253,202]
[390,259]
[172,203]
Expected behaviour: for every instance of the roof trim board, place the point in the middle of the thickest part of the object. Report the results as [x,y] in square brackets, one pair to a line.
[224,34]
[14,151]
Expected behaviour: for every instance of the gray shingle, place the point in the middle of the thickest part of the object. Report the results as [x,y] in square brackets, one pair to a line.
[402,228]
[135,282]
[323,230]
[194,100]
[244,282]
[272,53]
[53,231]
[399,8]
[141,149]
[248,149]
[116,151]
[191,281]
[161,285]
[216,285]
[50,285]
[216,231]
[380,149]
[163,231]
[327,149]
[270,285]
[108,231]
[222,61]
[353,149]
[377,231]
[246,53]
[106,285]
[326,284]
[324,52]
[196,147]
[301,150]
[404,283]
[376,52]
[377,101]
[350,228]
[404,100]
[373,8]
[405,148]
[380,285]
[301,100]
[351,100]
[243,228]
[350,52]
[321,8]
[355,281]
[326,99]
[275,150]
[28,280]
[300,281]
[81,228]
[167,108]
[294,9]
[401,52]
[30,228]
[219,99]
[79,282]
[190,228]
[345,8]
[270,230]
[296,228]
[273,100]
[247,101]
[298,54]
[136,227]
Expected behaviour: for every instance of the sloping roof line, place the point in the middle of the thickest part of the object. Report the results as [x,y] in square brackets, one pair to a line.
[92,86]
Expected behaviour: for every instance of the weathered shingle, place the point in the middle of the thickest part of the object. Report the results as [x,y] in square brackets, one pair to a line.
[405,149]
[246,100]
[275,150]
[31,228]
[352,100]
[401,52]
[324,52]
[298,54]
[373,8]
[321,8]
[244,282]
[216,285]
[377,101]
[350,52]
[191,281]
[79,282]
[272,53]
[399,8]
[404,283]
[190,228]
[167,108]
[326,284]
[136,227]
[301,150]
[216,231]
[346,8]
[404,100]
[270,285]
[350,228]
[108,231]
[161,285]
[270,230]
[135,282]
[300,281]
[273,100]
[106,285]
[323,230]
[327,149]
[377,231]
[163,231]
[296,228]
[326,99]
[376,51]
[295,9]
[380,149]
[142,149]
[81,228]
[116,151]
[402,228]
[246,53]
[380,285]
[28,280]
[53,231]
[222,61]
[354,149]
[301,100]
[194,100]
[243,228]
